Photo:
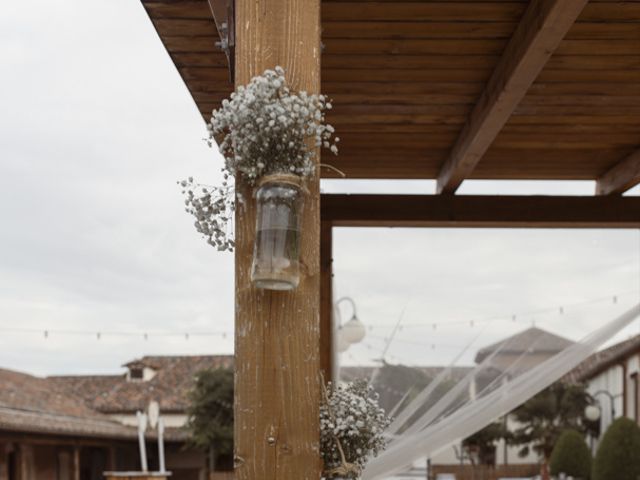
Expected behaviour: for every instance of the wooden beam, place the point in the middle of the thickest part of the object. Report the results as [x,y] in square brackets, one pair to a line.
[277,388]
[480,211]
[540,31]
[621,177]
[326,300]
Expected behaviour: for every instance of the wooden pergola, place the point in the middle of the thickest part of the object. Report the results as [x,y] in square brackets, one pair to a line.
[445,90]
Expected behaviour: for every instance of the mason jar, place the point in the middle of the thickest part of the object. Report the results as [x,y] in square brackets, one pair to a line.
[276,252]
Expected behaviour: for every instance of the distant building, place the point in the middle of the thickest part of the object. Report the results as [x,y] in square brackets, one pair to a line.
[165,379]
[76,427]
[508,357]
[612,374]
[523,351]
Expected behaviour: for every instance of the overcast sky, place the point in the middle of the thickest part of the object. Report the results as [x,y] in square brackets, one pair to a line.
[96,126]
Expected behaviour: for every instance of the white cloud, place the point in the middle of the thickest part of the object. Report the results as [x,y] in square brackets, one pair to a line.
[96,127]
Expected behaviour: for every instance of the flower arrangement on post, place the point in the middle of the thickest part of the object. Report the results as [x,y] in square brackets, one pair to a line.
[268,135]
[352,426]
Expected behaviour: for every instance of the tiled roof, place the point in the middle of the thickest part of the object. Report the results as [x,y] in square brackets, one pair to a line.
[602,360]
[28,404]
[353,373]
[170,386]
[392,382]
[533,340]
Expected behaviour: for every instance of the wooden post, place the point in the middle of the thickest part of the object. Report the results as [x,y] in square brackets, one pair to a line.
[4,462]
[326,300]
[278,333]
[113,462]
[76,463]
[25,461]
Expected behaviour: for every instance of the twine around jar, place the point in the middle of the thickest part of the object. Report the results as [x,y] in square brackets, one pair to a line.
[283,178]
[346,468]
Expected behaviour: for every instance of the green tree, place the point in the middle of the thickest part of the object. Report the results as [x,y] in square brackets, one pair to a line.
[571,456]
[544,417]
[618,456]
[210,416]
[481,446]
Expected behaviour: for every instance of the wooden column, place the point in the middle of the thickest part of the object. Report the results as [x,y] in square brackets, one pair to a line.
[113,462]
[4,462]
[326,300]
[75,462]
[278,333]
[25,462]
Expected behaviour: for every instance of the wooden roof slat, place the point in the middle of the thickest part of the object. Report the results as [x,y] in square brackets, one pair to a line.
[428,11]
[468,30]
[405,75]
[621,177]
[539,33]
[469,62]
[195,9]
[465,46]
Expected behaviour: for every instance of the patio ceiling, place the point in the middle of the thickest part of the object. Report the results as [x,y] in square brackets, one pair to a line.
[458,89]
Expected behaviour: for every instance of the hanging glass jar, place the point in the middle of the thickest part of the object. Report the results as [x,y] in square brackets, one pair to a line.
[276,252]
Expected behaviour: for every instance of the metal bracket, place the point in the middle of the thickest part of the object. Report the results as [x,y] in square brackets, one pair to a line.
[224,15]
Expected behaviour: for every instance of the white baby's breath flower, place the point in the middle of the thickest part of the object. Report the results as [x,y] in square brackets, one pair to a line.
[355,418]
[262,129]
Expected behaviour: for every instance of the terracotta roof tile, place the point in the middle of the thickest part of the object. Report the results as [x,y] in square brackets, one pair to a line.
[29,404]
[170,386]
[532,340]
[603,359]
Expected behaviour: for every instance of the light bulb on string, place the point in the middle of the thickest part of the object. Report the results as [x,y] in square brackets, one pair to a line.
[342,345]
[354,330]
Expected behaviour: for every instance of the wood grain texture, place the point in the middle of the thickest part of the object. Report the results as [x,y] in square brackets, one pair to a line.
[277,339]
[541,29]
[621,177]
[326,300]
[394,67]
[480,211]
[4,462]
[76,463]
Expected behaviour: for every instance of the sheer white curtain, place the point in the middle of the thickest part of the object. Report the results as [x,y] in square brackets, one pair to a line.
[441,414]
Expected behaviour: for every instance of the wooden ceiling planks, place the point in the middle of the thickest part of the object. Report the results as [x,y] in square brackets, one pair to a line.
[189,34]
[405,76]
[600,98]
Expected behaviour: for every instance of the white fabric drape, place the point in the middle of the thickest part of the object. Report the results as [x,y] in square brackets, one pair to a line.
[456,415]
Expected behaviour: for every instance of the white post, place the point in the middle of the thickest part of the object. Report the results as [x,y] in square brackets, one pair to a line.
[161,444]
[142,426]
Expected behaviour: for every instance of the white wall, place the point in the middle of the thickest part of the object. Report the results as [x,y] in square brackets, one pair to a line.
[171,420]
[633,367]
[610,381]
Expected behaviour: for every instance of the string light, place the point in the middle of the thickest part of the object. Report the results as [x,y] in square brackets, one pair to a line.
[224,334]
[538,312]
